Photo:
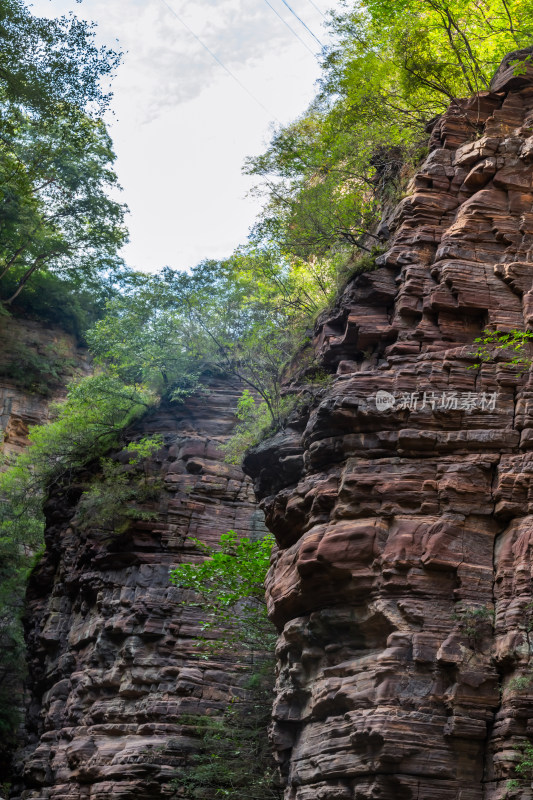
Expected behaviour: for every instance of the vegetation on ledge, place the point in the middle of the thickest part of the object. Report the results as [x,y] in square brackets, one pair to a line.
[393,66]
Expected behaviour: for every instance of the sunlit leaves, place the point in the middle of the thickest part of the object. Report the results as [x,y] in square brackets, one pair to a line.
[511,347]
[243,316]
[56,160]
[393,65]
[229,586]
[45,62]
[56,176]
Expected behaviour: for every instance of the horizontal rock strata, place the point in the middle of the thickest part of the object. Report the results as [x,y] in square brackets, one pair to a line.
[36,363]
[403,502]
[116,678]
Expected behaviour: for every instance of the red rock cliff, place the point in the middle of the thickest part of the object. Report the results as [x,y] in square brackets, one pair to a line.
[37,360]
[114,672]
[405,520]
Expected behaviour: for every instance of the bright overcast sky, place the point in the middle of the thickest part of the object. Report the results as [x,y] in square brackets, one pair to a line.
[183,127]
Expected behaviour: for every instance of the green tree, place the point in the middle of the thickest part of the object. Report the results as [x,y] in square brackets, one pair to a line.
[393,65]
[56,213]
[233,756]
[442,47]
[87,424]
[324,175]
[243,316]
[55,154]
[149,337]
[229,586]
[46,63]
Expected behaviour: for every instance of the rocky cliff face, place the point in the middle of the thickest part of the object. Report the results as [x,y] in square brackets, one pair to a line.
[402,504]
[403,509]
[36,363]
[115,676]
[37,360]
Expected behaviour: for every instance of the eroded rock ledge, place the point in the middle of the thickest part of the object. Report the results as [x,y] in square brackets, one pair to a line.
[403,527]
[116,679]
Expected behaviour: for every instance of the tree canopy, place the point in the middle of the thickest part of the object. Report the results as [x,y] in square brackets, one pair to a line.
[49,63]
[243,316]
[56,158]
[56,213]
[393,65]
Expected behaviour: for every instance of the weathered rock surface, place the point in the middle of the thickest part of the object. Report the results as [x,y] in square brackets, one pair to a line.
[405,518]
[116,677]
[36,363]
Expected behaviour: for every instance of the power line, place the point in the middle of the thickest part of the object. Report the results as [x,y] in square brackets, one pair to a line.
[219,62]
[317,8]
[302,22]
[291,29]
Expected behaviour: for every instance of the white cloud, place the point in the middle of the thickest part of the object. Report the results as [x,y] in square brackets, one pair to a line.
[169,64]
[183,127]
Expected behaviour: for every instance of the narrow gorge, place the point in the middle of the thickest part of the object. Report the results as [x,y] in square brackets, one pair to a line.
[400,495]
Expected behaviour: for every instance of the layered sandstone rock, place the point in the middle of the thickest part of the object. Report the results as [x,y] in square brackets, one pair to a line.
[116,678]
[36,363]
[403,501]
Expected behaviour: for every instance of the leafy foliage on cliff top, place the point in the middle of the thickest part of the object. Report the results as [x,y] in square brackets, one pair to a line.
[58,301]
[244,316]
[393,66]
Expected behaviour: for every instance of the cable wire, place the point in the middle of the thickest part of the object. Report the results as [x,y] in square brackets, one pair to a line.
[317,9]
[291,29]
[220,63]
[302,22]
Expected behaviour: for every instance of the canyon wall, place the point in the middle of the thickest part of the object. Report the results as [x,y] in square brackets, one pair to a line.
[116,678]
[37,360]
[402,502]
[36,363]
